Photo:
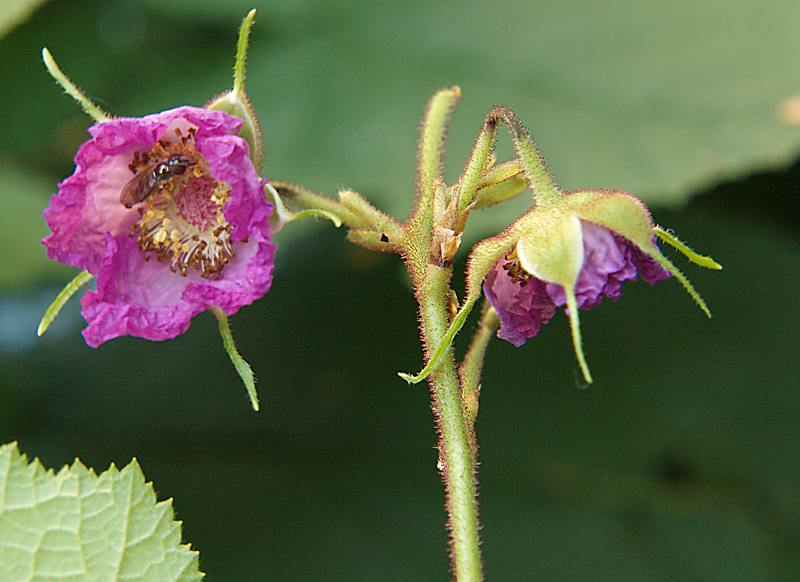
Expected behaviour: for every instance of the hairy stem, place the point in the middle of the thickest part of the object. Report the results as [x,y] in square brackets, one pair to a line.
[456,453]
[471,367]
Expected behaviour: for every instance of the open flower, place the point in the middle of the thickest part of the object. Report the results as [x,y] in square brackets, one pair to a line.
[166,211]
[524,302]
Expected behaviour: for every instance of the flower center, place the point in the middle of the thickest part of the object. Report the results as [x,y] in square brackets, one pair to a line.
[514,269]
[181,221]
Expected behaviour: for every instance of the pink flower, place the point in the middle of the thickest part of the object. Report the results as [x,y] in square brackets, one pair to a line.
[524,303]
[167,213]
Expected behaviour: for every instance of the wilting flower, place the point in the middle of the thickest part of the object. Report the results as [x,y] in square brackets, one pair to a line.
[524,303]
[572,250]
[166,211]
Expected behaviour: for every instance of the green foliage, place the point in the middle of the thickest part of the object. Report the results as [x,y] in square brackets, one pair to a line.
[657,99]
[75,524]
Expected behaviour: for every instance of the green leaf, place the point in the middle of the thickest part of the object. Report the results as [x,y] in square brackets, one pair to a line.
[657,99]
[77,525]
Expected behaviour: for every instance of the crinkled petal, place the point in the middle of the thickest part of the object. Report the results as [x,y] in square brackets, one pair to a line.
[522,309]
[135,297]
[144,299]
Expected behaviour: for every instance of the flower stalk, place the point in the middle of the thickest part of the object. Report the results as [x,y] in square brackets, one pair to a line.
[457,456]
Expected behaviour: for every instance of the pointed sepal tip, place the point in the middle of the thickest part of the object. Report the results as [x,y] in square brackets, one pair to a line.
[239,363]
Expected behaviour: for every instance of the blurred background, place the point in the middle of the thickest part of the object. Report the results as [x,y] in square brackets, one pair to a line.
[682,461]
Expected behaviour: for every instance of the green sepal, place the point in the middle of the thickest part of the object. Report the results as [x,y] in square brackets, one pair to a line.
[682,279]
[61,300]
[497,173]
[619,212]
[502,190]
[238,105]
[701,260]
[72,89]
[550,246]
[575,329]
[316,213]
[236,102]
[374,240]
[371,217]
[551,249]
[239,363]
[280,214]
[625,214]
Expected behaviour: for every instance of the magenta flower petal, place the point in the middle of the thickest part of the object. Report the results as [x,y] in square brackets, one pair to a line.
[197,238]
[134,297]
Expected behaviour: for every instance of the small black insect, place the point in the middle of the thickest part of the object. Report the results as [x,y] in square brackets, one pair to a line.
[153,177]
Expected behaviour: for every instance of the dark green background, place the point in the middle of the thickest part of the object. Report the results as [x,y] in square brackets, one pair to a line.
[682,461]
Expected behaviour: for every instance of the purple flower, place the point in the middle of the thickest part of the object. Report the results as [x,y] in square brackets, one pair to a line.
[167,213]
[524,302]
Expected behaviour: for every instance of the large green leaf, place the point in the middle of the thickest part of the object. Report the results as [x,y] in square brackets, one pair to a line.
[77,525]
[656,98]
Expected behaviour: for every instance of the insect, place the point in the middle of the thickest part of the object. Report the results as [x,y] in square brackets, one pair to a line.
[152,178]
